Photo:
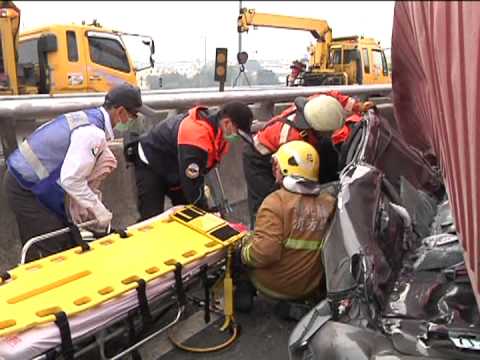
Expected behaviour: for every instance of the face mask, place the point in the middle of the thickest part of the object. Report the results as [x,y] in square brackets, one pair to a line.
[125,127]
[232,137]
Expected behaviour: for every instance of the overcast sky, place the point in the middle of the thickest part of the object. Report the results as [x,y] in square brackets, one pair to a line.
[179,28]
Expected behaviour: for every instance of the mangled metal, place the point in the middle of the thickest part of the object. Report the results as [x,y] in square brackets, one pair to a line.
[396,281]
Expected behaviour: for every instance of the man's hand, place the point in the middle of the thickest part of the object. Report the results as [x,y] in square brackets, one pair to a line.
[367,105]
[103,216]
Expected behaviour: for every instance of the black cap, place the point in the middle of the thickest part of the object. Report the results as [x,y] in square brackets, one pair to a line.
[125,95]
[240,114]
[299,121]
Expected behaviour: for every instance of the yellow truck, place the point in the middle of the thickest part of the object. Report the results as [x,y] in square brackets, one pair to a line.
[333,61]
[64,58]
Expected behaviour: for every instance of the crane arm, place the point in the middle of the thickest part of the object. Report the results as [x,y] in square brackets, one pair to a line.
[9,27]
[249,17]
[9,10]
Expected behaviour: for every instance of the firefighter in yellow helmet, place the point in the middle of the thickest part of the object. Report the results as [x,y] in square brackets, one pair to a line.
[283,254]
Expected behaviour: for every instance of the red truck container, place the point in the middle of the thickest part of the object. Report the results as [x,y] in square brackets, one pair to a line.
[436,76]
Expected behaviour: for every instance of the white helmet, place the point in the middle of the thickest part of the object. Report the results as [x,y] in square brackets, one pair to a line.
[322,113]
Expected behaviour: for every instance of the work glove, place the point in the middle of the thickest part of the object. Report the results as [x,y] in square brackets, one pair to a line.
[103,216]
[367,105]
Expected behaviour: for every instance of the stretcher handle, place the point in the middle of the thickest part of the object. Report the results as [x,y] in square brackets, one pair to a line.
[49,235]
[180,310]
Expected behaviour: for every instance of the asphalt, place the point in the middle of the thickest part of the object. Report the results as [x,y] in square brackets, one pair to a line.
[262,336]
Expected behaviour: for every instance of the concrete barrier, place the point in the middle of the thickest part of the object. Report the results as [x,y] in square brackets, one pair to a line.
[119,190]
[9,236]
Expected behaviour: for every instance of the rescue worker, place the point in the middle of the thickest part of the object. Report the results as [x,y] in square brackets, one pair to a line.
[173,158]
[57,159]
[312,120]
[342,134]
[297,68]
[283,254]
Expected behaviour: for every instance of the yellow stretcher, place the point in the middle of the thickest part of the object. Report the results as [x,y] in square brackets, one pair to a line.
[77,280]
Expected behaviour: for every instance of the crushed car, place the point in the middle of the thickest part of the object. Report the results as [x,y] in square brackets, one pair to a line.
[402,255]
[395,273]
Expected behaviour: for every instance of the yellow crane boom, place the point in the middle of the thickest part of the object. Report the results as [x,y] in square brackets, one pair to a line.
[347,60]
[319,29]
[9,26]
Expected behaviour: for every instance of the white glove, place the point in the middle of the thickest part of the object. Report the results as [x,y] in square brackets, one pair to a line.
[103,216]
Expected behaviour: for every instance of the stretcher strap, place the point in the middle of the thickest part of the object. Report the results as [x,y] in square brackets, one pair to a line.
[51,354]
[122,232]
[61,321]
[143,303]
[206,288]
[5,276]
[182,299]
[77,238]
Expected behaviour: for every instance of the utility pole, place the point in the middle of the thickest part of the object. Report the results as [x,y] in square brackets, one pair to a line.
[205,50]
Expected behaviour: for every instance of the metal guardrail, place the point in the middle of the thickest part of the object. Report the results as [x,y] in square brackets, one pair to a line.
[27,107]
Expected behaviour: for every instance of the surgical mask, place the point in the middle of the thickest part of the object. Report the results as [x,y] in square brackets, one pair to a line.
[125,127]
[232,137]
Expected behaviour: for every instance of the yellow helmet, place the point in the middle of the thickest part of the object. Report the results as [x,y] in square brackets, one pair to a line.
[298,158]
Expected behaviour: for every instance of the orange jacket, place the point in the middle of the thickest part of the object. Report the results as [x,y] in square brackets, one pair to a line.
[183,148]
[277,131]
[342,134]
[196,131]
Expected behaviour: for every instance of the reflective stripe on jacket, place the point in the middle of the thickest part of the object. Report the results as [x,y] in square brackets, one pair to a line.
[37,162]
[285,249]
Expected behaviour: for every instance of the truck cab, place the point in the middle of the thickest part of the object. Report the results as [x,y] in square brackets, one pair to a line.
[352,60]
[73,58]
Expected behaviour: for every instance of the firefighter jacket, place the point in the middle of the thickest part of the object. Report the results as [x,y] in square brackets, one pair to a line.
[285,249]
[278,131]
[183,148]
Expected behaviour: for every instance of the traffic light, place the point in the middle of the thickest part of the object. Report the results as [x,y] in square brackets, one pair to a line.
[221,64]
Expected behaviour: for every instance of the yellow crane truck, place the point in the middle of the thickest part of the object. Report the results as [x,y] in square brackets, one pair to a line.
[64,58]
[333,61]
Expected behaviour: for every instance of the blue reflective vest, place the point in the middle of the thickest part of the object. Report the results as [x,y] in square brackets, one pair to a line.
[37,162]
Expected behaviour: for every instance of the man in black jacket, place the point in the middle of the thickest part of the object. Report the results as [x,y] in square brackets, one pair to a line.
[173,158]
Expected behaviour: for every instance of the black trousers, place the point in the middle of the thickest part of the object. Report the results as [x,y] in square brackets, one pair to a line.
[34,219]
[151,191]
[259,178]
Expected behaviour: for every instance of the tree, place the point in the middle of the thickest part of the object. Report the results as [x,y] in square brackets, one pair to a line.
[205,77]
